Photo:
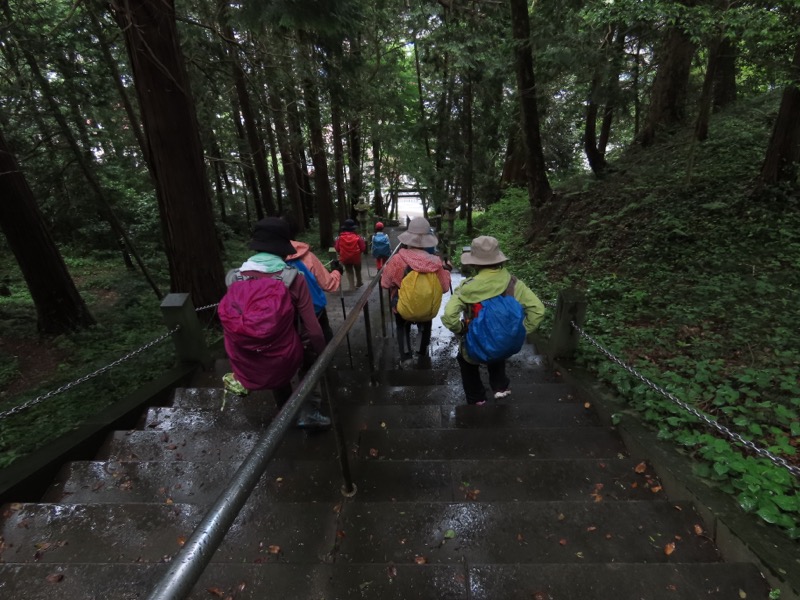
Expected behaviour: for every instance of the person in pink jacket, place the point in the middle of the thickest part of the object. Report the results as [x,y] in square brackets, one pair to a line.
[415,239]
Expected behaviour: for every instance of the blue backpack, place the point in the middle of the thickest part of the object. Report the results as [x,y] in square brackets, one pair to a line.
[496,330]
[318,297]
[380,246]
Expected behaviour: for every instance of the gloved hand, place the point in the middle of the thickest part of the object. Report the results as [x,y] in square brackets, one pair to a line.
[337,266]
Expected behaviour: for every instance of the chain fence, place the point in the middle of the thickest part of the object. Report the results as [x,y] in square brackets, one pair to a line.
[68,386]
[702,417]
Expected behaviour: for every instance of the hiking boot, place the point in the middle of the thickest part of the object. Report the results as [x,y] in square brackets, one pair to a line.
[499,394]
[313,420]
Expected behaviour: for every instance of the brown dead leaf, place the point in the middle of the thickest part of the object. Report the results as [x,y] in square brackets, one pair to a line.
[561,516]
[591,528]
[520,538]
[641,467]
[215,591]
[672,587]
[562,541]
[274,549]
[655,489]
[340,534]
[669,548]
[181,540]
[698,529]
[55,578]
[373,452]
[169,501]
[391,571]
[472,494]
[420,560]
[172,447]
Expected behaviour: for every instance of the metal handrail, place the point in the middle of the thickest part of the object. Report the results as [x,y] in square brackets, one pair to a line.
[189,563]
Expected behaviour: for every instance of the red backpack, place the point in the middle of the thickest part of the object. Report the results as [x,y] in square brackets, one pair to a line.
[261,337]
[349,248]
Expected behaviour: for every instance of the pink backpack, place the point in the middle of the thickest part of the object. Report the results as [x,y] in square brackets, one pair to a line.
[261,336]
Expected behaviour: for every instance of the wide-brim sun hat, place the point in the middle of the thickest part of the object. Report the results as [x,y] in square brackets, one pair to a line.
[272,235]
[418,234]
[484,250]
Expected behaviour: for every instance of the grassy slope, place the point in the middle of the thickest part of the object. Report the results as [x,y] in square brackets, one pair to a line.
[695,282]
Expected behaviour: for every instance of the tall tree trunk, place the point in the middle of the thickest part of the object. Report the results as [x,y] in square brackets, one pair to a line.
[782,160]
[668,96]
[539,190]
[298,150]
[173,139]
[377,198]
[287,160]
[597,162]
[338,157]
[219,189]
[468,188]
[725,74]
[354,161]
[254,142]
[59,306]
[276,173]
[706,96]
[245,159]
[322,183]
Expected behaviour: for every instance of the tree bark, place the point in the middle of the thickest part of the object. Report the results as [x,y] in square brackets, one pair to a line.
[783,153]
[539,190]
[668,96]
[287,160]
[176,154]
[725,90]
[338,157]
[59,306]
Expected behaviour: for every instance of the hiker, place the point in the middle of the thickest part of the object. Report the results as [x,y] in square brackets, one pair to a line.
[416,281]
[269,321]
[350,247]
[318,278]
[492,312]
[381,246]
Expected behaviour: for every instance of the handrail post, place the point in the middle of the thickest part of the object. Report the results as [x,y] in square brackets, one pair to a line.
[383,311]
[190,343]
[368,333]
[570,307]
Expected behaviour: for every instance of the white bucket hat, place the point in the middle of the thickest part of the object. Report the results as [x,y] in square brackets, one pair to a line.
[418,234]
[484,250]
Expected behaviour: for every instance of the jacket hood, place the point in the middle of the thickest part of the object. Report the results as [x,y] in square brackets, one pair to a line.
[487,283]
[420,260]
[301,250]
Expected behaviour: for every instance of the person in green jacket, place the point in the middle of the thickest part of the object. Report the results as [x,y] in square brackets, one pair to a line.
[491,279]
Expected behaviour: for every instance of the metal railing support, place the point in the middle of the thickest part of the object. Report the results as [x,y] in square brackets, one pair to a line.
[570,307]
[349,488]
[190,342]
[368,333]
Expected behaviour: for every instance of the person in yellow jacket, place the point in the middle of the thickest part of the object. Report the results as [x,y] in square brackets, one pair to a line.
[492,279]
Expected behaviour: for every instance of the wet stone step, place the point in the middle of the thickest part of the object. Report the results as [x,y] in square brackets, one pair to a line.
[86,533]
[214,398]
[250,417]
[522,416]
[674,581]
[523,532]
[187,482]
[506,480]
[212,446]
[455,444]
[269,579]
[522,393]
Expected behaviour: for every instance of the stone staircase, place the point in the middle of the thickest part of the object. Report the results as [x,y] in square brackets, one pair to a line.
[530,498]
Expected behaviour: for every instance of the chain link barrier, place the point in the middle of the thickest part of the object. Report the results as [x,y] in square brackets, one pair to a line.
[68,386]
[710,422]
[206,307]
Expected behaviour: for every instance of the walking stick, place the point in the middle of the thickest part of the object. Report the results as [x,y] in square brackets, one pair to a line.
[344,317]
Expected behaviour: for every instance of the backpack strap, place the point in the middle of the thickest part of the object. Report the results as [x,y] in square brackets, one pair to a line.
[287,275]
[512,284]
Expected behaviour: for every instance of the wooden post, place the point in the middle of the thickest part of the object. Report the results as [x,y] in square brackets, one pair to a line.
[570,307]
[190,343]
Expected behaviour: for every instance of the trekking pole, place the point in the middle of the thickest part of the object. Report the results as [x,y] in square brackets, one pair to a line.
[344,316]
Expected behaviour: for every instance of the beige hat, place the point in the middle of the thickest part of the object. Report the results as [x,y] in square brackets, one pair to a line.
[418,234]
[484,250]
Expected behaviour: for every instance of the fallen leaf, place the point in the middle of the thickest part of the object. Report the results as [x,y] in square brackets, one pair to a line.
[169,501]
[641,467]
[562,541]
[274,549]
[591,528]
[655,489]
[561,516]
[391,571]
[449,534]
[669,548]
[241,586]
[215,591]
[340,533]
[698,530]
[55,578]
[634,485]
[420,560]
[672,587]
[373,452]
[520,538]
[587,405]
[172,447]
[742,594]
[181,540]
[279,479]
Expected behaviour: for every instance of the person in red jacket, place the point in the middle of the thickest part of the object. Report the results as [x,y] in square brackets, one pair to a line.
[350,247]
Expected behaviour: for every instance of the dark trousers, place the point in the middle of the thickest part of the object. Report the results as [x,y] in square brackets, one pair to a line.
[404,335]
[471,379]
